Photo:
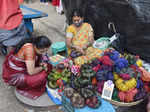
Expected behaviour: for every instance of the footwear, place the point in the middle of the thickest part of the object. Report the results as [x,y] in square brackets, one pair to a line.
[3,50]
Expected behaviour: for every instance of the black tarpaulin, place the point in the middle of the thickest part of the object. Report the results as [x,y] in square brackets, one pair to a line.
[130,17]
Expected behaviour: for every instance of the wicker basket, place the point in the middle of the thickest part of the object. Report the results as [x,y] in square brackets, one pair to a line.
[123,104]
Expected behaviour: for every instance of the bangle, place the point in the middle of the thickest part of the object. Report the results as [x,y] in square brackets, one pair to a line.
[43,68]
[89,44]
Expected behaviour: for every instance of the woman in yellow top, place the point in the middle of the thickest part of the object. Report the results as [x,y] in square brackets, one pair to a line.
[80,36]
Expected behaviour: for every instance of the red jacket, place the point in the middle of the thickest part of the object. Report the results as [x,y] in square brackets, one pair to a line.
[10,14]
[55,2]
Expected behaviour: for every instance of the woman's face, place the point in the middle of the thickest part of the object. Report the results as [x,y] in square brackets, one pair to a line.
[77,21]
[41,51]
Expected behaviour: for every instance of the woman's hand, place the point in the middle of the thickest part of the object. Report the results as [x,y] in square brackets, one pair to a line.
[31,69]
[44,66]
[80,49]
[85,46]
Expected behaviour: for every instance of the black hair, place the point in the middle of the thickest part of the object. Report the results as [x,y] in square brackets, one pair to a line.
[76,12]
[40,42]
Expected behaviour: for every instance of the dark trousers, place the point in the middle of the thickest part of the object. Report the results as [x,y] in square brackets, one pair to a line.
[43,0]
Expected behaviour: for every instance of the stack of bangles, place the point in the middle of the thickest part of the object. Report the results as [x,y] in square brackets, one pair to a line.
[43,67]
[88,45]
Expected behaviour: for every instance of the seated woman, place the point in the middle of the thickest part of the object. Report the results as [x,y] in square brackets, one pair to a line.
[23,68]
[79,35]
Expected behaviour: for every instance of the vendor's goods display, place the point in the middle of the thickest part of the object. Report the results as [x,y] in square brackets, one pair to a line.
[56,59]
[82,84]
[82,81]
[75,54]
[89,55]
[125,71]
[77,100]
[57,75]
[83,98]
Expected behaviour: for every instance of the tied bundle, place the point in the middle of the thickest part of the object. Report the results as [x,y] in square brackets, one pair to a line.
[100,86]
[124,86]
[127,96]
[76,99]
[104,75]
[120,64]
[114,55]
[105,60]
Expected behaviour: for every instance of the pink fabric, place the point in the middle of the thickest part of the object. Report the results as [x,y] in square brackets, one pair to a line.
[10,14]
[15,74]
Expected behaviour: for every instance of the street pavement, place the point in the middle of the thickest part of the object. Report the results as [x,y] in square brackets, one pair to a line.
[53,27]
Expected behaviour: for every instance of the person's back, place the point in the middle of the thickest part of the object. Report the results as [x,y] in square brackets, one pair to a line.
[12,26]
[10,14]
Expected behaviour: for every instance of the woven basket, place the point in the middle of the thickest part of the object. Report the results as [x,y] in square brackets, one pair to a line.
[123,104]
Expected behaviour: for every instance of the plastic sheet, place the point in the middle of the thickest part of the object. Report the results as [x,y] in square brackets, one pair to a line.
[130,17]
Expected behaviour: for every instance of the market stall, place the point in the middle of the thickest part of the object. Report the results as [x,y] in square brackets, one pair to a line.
[131,18]
[86,82]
